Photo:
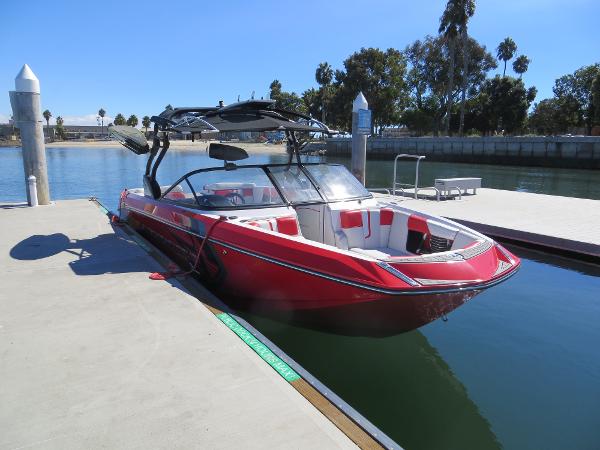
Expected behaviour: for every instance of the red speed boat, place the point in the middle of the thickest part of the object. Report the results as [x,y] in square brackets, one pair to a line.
[301,238]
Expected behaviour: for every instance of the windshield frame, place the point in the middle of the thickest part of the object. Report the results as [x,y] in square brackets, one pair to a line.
[265,167]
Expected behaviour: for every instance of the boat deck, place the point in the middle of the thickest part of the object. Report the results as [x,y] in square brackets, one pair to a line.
[561,223]
[93,354]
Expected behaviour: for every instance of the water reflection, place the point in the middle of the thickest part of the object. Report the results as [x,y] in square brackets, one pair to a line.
[557,261]
[382,318]
[516,368]
[400,383]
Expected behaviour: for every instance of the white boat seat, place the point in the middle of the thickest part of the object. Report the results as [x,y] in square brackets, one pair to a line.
[380,253]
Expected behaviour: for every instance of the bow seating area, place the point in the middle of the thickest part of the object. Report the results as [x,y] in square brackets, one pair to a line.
[386,233]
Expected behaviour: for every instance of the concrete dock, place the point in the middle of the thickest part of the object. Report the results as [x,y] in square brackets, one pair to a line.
[563,224]
[93,354]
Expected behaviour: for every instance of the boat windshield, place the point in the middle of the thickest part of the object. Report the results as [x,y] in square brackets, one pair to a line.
[294,184]
[336,182]
[244,186]
[252,186]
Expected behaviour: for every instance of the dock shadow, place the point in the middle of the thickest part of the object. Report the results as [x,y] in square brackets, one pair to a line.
[107,253]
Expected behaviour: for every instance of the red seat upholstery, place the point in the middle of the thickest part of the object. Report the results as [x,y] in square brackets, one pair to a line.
[386,216]
[175,195]
[351,219]
[418,223]
[288,225]
[285,225]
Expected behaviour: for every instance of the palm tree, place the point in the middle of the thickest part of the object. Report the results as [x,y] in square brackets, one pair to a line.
[466,11]
[521,64]
[102,113]
[120,119]
[47,114]
[449,28]
[324,77]
[505,51]
[60,130]
[275,90]
[132,121]
[146,123]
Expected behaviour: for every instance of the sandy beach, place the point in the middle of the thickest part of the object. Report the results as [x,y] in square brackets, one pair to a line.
[200,145]
[251,147]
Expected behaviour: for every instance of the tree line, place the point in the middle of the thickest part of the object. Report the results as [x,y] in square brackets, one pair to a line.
[439,85]
[576,103]
[132,121]
[119,119]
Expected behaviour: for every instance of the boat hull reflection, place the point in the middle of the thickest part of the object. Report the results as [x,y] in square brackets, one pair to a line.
[380,318]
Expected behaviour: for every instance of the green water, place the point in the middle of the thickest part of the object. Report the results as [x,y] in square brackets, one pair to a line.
[518,367]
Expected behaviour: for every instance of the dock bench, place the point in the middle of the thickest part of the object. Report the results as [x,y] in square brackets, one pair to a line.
[446,185]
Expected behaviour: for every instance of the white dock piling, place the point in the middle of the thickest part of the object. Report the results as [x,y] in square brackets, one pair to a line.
[359,140]
[25,102]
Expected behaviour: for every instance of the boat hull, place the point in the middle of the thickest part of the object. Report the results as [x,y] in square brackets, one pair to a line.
[359,301]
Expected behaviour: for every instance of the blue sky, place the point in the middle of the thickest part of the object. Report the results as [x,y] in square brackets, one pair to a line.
[134,58]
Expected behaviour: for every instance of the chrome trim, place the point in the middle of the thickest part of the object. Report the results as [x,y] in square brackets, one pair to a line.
[430,282]
[385,266]
[505,253]
[367,287]
[163,221]
[503,266]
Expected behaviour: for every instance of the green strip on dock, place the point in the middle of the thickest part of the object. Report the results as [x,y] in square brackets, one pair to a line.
[261,349]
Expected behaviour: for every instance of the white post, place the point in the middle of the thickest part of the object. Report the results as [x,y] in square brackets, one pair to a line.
[25,102]
[359,141]
[32,191]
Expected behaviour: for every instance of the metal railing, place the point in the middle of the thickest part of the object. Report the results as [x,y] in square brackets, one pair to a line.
[396,186]
[401,188]
[384,190]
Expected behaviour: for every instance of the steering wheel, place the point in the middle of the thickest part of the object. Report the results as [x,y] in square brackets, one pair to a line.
[235,198]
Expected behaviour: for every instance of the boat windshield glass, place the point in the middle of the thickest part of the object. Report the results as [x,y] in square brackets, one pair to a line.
[244,186]
[336,182]
[295,185]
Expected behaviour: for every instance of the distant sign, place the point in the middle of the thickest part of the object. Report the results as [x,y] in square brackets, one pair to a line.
[364,121]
